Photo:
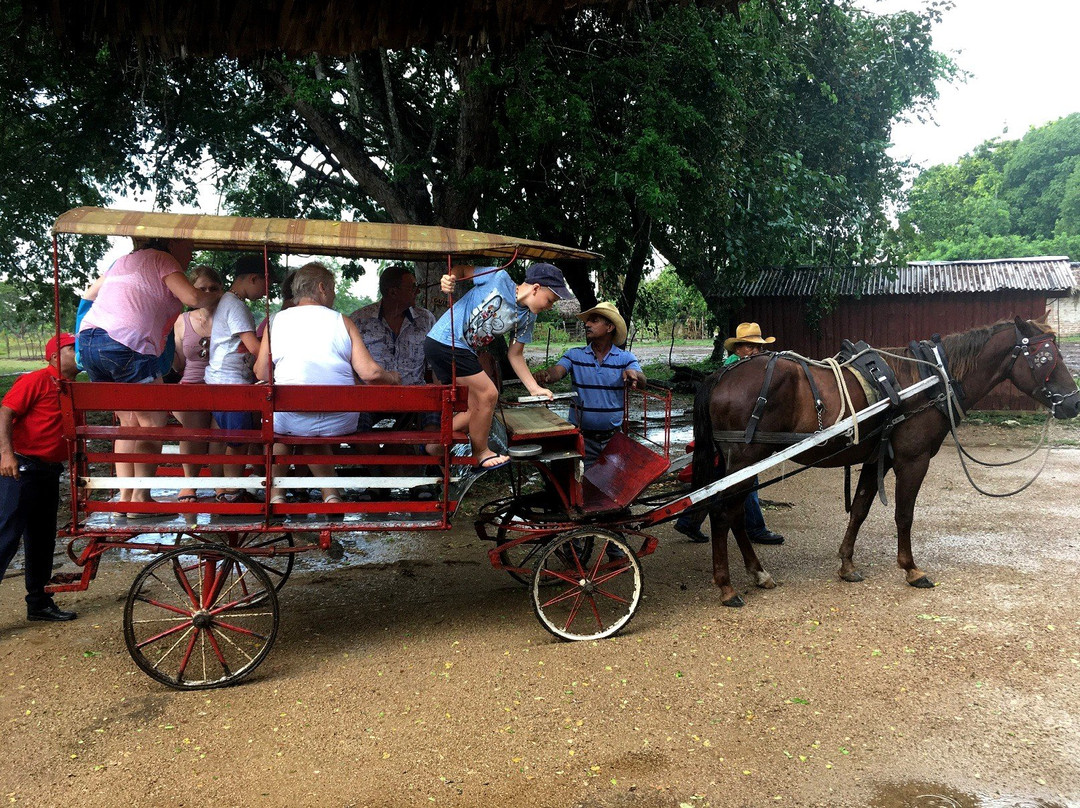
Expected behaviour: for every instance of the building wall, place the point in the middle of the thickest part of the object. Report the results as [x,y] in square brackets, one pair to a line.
[894,321]
[1065,314]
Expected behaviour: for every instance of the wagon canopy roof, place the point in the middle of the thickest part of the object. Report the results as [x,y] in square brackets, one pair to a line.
[310,236]
[1049,274]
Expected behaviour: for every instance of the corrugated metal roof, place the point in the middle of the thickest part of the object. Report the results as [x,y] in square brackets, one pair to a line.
[1050,274]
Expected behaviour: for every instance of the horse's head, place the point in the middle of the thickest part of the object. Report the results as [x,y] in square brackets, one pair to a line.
[1042,373]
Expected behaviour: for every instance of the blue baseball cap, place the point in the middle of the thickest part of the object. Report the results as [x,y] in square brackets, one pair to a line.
[549,276]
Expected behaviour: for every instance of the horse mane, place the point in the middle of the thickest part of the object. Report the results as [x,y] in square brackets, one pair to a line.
[961,350]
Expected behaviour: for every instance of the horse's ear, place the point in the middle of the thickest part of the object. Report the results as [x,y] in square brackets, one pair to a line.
[1021,323]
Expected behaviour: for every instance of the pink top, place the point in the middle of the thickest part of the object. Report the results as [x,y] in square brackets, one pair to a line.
[134,306]
[194,364]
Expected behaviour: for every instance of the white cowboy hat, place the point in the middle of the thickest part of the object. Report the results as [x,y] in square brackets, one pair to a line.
[608,312]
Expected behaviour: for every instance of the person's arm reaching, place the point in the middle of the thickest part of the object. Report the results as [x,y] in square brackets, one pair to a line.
[549,375]
[516,355]
[187,294]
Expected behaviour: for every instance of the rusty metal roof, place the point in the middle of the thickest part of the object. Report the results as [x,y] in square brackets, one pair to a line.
[1051,275]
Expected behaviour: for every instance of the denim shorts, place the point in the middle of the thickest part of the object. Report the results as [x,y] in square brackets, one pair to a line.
[236,420]
[106,360]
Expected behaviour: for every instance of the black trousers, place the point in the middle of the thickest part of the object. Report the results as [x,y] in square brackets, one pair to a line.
[28,509]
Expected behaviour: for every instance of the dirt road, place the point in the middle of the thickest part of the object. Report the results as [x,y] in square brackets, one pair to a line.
[411,673]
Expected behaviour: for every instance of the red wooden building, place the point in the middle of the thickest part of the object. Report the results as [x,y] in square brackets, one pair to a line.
[921,299]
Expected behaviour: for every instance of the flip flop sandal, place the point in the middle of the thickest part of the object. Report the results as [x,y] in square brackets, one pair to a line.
[487,463]
[188,498]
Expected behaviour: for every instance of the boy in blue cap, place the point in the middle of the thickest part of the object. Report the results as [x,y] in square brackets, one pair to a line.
[495,305]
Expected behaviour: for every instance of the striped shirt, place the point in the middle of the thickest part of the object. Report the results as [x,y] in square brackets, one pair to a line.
[599,385]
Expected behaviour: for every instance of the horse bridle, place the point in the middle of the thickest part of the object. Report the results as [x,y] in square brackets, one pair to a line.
[1041,354]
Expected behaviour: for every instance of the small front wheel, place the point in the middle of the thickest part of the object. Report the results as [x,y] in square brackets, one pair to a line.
[189,620]
[578,598]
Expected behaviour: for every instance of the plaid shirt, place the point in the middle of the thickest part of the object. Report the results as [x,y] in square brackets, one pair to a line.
[403,352]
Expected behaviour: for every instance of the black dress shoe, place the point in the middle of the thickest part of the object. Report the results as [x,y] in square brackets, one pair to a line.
[693,533]
[51,614]
[768,537]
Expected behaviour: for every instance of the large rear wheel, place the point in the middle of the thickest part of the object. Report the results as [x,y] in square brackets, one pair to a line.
[189,620]
[578,598]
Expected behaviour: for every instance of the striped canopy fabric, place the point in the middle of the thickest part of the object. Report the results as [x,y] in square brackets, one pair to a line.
[310,236]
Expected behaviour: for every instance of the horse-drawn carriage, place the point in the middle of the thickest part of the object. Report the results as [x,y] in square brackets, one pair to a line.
[204,612]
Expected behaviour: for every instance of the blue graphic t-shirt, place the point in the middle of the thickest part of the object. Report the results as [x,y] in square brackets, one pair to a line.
[487,310]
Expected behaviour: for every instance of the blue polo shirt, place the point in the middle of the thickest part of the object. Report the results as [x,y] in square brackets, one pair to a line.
[487,310]
[599,386]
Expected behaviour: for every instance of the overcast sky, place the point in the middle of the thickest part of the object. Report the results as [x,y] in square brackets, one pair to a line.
[1023,60]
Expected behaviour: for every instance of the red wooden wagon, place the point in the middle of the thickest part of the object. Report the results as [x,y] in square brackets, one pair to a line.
[204,612]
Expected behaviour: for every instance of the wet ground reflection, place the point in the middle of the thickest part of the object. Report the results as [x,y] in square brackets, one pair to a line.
[931,795]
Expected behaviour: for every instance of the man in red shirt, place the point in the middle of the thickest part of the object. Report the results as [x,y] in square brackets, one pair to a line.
[32,452]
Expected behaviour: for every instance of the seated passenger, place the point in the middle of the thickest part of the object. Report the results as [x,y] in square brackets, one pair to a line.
[192,333]
[233,345]
[313,344]
[393,330]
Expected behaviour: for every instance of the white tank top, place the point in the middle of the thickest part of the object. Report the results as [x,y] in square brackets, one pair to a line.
[310,345]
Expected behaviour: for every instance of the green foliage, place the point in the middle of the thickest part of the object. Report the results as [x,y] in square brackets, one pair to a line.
[1006,199]
[722,142]
[668,299]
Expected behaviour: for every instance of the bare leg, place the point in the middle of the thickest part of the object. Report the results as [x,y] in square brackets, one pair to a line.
[192,420]
[865,492]
[483,396]
[278,494]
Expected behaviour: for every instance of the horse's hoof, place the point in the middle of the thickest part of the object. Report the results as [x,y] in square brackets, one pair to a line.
[764,580]
[852,577]
[735,602]
[922,583]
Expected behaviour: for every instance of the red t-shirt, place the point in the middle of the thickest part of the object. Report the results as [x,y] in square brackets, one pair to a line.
[37,430]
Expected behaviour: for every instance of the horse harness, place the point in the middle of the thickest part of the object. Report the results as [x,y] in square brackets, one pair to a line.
[1041,352]
[860,358]
[930,358]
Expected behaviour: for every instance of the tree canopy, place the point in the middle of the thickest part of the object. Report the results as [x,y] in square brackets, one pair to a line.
[1006,199]
[720,142]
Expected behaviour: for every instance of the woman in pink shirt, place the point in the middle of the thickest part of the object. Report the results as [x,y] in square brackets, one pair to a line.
[121,337]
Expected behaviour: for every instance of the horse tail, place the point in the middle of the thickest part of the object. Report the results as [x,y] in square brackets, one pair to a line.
[708,466]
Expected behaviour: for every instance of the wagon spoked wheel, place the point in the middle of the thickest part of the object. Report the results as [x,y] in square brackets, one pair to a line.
[277,567]
[524,555]
[577,599]
[189,621]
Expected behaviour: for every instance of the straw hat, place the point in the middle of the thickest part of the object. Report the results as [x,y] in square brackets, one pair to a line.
[608,312]
[747,332]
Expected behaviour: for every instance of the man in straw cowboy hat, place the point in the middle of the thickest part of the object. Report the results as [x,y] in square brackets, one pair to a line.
[599,372]
[747,342]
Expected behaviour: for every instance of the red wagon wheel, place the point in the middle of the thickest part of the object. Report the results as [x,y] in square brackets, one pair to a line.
[277,567]
[528,509]
[189,621]
[586,599]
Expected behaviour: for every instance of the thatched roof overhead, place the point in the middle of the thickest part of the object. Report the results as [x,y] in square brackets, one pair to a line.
[332,27]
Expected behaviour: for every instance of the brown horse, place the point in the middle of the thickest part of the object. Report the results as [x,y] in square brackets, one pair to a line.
[977,359]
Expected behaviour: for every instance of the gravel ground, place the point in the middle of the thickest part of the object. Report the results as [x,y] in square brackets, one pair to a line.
[410,672]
